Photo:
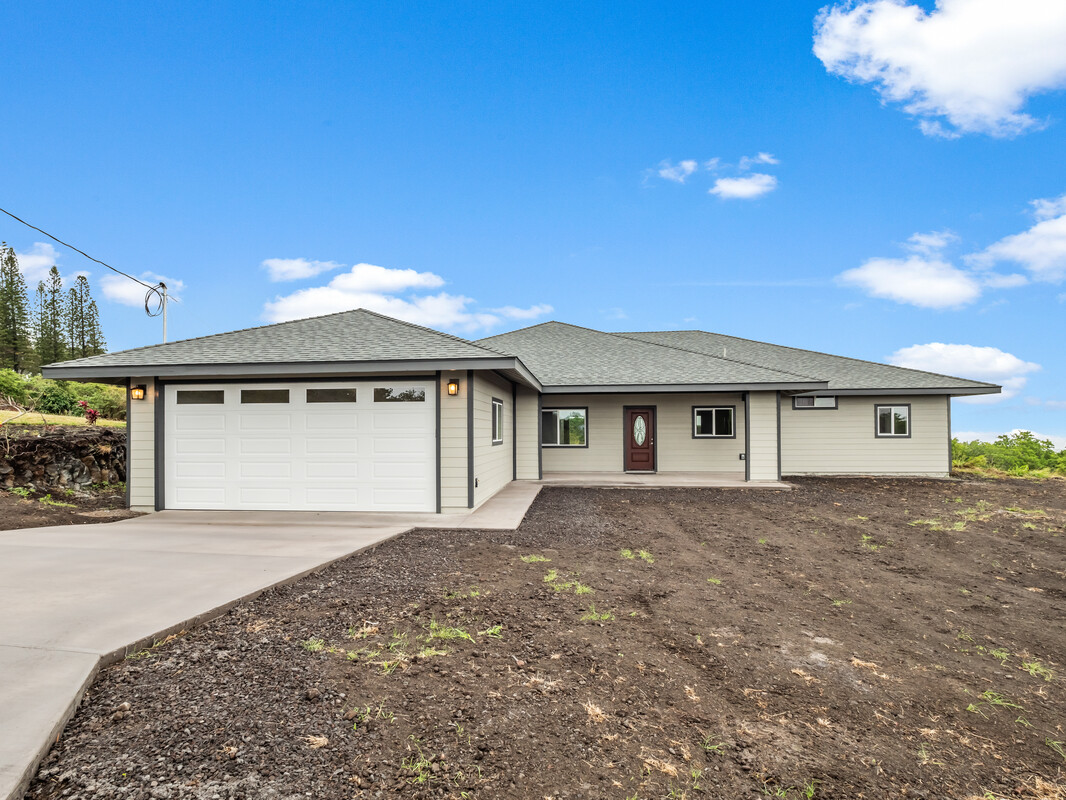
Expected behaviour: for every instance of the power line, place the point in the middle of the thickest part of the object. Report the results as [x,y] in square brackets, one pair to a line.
[154,298]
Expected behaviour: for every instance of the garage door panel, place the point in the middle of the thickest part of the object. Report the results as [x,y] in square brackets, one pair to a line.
[350,456]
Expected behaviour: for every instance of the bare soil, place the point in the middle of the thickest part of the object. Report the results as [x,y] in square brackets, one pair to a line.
[58,507]
[817,643]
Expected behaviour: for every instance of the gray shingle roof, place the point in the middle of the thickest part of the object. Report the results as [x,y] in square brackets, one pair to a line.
[358,335]
[841,372]
[567,355]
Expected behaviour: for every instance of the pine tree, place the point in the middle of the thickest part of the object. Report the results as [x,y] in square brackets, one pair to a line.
[16,345]
[51,319]
[97,343]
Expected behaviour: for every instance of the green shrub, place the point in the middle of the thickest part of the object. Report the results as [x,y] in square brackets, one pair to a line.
[13,386]
[1019,454]
[61,397]
[54,397]
[110,401]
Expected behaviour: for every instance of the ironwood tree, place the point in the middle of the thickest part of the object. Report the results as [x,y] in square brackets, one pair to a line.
[16,341]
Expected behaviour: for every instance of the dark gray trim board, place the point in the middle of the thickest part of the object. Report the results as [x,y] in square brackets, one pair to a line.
[747,438]
[129,440]
[160,443]
[540,436]
[732,408]
[950,450]
[779,435]
[470,438]
[437,414]
[301,379]
[514,431]
[291,370]
[670,388]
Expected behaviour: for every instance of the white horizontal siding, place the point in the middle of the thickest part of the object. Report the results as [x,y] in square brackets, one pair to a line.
[493,463]
[527,441]
[762,446]
[453,454]
[140,444]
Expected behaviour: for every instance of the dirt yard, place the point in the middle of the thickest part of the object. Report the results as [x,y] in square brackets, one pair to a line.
[849,639]
[39,509]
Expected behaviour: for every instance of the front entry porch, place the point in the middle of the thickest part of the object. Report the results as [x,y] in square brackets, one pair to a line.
[658,480]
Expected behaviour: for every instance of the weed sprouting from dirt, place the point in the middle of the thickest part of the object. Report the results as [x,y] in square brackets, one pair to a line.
[1038,670]
[628,554]
[493,632]
[447,632]
[592,615]
[715,581]
[535,559]
[315,644]
[646,557]
[1058,747]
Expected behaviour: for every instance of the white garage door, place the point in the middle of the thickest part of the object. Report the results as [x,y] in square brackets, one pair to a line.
[329,446]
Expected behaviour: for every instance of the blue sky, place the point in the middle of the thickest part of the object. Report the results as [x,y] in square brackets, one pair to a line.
[870,180]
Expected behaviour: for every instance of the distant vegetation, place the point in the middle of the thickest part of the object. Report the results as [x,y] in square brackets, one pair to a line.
[1019,455]
[60,397]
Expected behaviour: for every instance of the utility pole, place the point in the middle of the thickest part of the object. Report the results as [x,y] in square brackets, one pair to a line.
[163,288]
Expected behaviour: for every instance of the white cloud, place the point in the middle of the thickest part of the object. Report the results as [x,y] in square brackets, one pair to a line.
[994,280]
[919,281]
[746,162]
[988,364]
[292,269]
[678,172]
[122,290]
[968,66]
[932,242]
[376,288]
[713,164]
[35,262]
[510,312]
[744,188]
[1057,441]
[1041,249]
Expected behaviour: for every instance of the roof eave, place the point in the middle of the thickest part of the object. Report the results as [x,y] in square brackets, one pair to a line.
[948,390]
[637,388]
[294,369]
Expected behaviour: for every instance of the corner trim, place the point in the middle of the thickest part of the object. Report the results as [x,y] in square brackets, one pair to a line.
[779,435]
[160,443]
[951,451]
[747,436]
[437,414]
[129,443]
[540,436]
[470,438]
[514,431]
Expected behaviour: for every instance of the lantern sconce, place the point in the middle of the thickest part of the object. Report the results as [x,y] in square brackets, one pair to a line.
[453,387]
[137,392]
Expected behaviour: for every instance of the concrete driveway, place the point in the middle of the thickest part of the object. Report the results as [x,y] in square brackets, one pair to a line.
[74,598]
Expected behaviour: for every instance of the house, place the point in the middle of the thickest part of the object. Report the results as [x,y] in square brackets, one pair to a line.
[358,411]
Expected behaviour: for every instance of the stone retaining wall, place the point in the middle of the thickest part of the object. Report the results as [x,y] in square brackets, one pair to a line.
[62,458]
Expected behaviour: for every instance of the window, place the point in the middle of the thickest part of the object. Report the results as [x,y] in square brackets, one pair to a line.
[264,395]
[564,427]
[193,397]
[713,423]
[392,394]
[825,401]
[497,421]
[331,395]
[893,420]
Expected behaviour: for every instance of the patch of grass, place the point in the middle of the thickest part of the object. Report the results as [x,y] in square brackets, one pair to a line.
[991,699]
[646,557]
[48,501]
[708,745]
[494,632]
[841,603]
[592,615]
[868,543]
[37,418]
[715,581]
[551,576]
[446,632]
[1000,653]
[535,559]
[965,636]
[763,541]
[1038,670]
[430,652]
[1058,747]
[21,491]
[628,554]
[314,645]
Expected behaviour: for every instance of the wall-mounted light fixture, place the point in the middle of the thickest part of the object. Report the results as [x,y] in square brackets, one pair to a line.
[137,392]
[453,387]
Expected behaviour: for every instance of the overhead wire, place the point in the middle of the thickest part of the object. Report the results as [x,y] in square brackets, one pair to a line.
[154,298]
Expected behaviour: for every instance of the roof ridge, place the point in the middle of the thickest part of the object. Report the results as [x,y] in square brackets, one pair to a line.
[73,362]
[711,355]
[822,353]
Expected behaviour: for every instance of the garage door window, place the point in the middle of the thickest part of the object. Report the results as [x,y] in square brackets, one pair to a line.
[192,397]
[331,395]
[264,395]
[392,394]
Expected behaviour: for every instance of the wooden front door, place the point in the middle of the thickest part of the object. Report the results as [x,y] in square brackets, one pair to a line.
[640,439]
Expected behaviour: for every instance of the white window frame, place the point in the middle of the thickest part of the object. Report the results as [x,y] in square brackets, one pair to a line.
[893,408]
[831,405]
[557,411]
[497,421]
[714,435]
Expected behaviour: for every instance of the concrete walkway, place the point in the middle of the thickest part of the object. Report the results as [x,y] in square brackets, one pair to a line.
[75,598]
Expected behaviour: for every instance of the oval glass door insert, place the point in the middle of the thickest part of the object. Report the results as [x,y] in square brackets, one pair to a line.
[640,431]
